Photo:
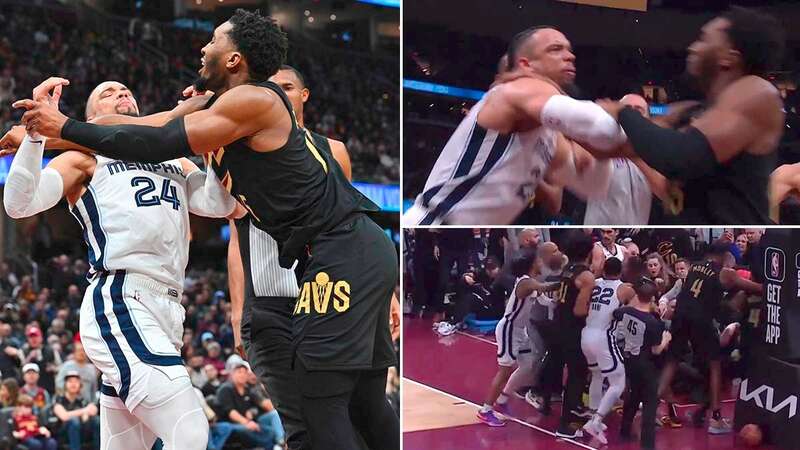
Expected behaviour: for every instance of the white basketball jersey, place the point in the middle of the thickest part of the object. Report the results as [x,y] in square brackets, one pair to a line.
[603,303]
[518,310]
[628,201]
[619,254]
[482,176]
[135,217]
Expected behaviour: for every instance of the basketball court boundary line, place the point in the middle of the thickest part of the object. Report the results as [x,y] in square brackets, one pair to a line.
[679,405]
[477,337]
[512,418]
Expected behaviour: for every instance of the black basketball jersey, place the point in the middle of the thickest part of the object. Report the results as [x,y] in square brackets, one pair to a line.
[702,291]
[567,296]
[735,193]
[293,193]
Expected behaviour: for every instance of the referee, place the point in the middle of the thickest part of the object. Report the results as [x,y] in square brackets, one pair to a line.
[644,337]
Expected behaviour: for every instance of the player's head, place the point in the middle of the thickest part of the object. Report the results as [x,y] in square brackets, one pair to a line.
[638,103]
[546,51]
[612,268]
[550,255]
[741,41]
[248,45]
[579,248]
[525,263]
[645,289]
[717,251]
[111,97]
[529,237]
[682,268]
[294,85]
[632,268]
[609,236]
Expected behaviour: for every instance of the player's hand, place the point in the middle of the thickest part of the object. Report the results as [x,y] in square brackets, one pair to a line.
[9,144]
[469,280]
[727,236]
[42,92]
[394,318]
[667,336]
[41,118]
[611,107]
[191,91]
[252,426]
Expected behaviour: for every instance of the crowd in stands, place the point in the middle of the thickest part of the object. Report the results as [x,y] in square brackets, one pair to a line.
[354,95]
[42,361]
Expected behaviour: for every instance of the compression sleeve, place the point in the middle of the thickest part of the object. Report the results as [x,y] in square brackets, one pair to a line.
[207,196]
[29,189]
[583,121]
[131,142]
[676,154]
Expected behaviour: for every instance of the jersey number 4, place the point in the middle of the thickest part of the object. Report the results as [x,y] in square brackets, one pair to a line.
[169,193]
[697,285]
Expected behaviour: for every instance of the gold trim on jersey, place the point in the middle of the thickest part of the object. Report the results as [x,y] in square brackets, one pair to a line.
[313,148]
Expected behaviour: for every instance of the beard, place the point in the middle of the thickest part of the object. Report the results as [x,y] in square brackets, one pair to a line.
[130,111]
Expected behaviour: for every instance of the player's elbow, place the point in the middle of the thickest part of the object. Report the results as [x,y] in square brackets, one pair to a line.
[605,133]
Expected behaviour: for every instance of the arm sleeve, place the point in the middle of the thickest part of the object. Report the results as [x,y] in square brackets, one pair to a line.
[677,155]
[582,121]
[131,142]
[207,196]
[29,189]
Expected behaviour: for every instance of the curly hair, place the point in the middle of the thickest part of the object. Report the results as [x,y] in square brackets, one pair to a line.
[759,37]
[261,41]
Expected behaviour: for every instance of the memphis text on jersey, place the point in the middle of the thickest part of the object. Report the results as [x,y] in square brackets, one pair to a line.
[322,294]
[123,166]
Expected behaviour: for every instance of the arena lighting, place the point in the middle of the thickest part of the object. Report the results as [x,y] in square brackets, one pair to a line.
[5,165]
[386,196]
[389,3]
[474,94]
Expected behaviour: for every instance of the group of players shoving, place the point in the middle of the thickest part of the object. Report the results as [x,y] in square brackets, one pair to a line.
[660,317]
[704,162]
[311,278]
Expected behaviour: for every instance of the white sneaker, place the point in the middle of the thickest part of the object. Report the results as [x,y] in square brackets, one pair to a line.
[595,428]
[445,329]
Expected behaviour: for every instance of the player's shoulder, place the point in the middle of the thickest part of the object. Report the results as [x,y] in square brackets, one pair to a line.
[248,98]
[751,92]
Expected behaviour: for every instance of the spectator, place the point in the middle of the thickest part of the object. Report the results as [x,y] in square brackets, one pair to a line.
[9,392]
[27,429]
[31,388]
[25,291]
[214,351]
[81,365]
[34,353]
[196,372]
[9,353]
[78,419]
[213,383]
[247,414]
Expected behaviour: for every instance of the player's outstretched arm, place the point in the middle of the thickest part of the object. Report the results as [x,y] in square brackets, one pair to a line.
[30,190]
[207,196]
[737,120]
[242,111]
[579,120]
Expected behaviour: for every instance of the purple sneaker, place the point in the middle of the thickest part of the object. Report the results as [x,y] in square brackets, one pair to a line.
[489,418]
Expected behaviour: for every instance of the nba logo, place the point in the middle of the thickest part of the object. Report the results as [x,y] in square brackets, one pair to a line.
[774,264]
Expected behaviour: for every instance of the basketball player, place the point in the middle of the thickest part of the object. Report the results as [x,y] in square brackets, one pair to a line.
[263,293]
[297,194]
[599,345]
[696,310]
[135,219]
[513,345]
[577,284]
[643,338]
[606,248]
[728,153]
[490,168]
[632,185]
